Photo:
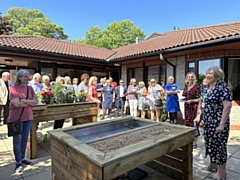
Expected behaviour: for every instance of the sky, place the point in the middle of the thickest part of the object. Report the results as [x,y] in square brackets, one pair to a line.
[77,16]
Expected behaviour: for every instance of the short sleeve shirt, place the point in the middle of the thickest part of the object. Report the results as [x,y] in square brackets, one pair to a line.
[21,93]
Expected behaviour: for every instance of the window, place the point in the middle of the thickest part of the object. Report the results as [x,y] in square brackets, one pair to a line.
[234,77]
[48,72]
[204,65]
[129,75]
[200,67]
[162,75]
[191,67]
[153,73]
[138,74]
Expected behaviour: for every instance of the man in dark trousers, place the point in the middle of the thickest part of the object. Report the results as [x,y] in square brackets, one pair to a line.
[4,96]
[121,93]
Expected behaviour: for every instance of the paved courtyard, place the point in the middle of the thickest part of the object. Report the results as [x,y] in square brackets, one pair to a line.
[41,170]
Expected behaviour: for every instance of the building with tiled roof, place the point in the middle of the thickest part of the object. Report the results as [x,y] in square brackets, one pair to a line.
[172,53]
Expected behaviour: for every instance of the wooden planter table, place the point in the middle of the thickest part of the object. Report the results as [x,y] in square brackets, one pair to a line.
[89,151]
[83,112]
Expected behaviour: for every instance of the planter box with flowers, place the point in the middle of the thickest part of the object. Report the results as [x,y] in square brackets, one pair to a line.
[60,104]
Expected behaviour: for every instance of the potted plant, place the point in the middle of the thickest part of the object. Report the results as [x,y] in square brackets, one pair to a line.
[80,96]
[59,91]
[47,97]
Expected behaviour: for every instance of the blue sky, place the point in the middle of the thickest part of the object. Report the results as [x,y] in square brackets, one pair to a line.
[76,16]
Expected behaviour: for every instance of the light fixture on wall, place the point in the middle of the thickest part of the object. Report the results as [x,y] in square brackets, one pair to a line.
[161,57]
[8,60]
[116,64]
[2,65]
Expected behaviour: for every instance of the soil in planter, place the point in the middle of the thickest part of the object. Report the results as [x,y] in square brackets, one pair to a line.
[129,138]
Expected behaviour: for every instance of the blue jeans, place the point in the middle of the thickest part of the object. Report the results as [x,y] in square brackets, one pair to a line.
[20,141]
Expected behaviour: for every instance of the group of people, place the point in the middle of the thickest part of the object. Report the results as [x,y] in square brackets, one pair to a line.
[210,103]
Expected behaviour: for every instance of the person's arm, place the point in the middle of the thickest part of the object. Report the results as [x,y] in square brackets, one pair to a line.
[129,90]
[113,96]
[17,103]
[227,105]
[103,96]
[32,102]
[145,92]
[199,111]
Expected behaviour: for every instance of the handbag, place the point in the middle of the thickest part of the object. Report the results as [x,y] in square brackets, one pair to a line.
[14,128]
[158,103]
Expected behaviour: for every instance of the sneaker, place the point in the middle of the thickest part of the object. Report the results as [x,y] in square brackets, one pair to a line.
[18,168]
[26,163]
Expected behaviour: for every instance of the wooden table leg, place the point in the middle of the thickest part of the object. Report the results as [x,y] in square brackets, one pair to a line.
[32,151]
[187,162]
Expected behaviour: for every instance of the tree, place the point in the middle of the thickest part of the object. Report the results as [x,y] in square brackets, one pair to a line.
[33,22]
[116,34]
[5,25]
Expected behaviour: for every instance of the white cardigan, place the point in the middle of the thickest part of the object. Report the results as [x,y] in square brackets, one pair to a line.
[3,92]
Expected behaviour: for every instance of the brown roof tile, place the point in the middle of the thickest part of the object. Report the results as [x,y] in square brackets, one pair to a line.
[155,42]
[54,46]
[178,38]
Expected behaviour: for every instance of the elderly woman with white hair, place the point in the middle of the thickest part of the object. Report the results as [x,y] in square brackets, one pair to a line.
[22,98]
[216,110]
[46,85]
[172,103]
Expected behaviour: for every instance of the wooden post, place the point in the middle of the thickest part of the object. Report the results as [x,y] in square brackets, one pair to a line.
[32,142]
[188,159]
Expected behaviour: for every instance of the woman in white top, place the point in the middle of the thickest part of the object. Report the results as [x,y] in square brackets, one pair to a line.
[155,91]
[68,84]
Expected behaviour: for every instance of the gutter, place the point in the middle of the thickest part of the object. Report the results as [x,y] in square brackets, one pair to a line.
[181,48]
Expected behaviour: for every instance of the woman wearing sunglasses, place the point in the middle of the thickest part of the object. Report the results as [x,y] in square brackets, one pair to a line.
[155,91]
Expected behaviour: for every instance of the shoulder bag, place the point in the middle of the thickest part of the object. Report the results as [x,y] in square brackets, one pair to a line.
[14,128]
[157,102]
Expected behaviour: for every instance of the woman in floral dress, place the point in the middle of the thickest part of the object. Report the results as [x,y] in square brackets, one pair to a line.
[216,109]
[191,94]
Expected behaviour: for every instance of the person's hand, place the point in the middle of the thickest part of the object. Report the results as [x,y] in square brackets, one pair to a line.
[196,120]
[103,100]
[113,100]
[98,101]
[220,128]
[188,101]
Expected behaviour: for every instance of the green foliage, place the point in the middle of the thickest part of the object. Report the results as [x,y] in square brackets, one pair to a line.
[201,77]
[116,34]
[33,22]
[5,25]
[58,90]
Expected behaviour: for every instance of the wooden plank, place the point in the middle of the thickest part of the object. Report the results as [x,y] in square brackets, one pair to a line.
[79,158]
[70,165]
[176,153]
[188,160]
[169,161]
[59,172]
[119,162]
[169,171]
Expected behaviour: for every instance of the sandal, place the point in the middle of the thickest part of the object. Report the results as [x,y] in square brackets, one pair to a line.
[205,168]
[26,163]
[220,178]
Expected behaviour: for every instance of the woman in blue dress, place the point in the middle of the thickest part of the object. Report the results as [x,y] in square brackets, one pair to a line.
[172,104]
[108,98]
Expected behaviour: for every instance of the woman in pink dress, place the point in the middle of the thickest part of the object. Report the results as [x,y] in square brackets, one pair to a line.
[92,91]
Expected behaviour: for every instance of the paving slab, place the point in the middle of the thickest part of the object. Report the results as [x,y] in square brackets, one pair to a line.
[233,164]
[40,165]
[8,173]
